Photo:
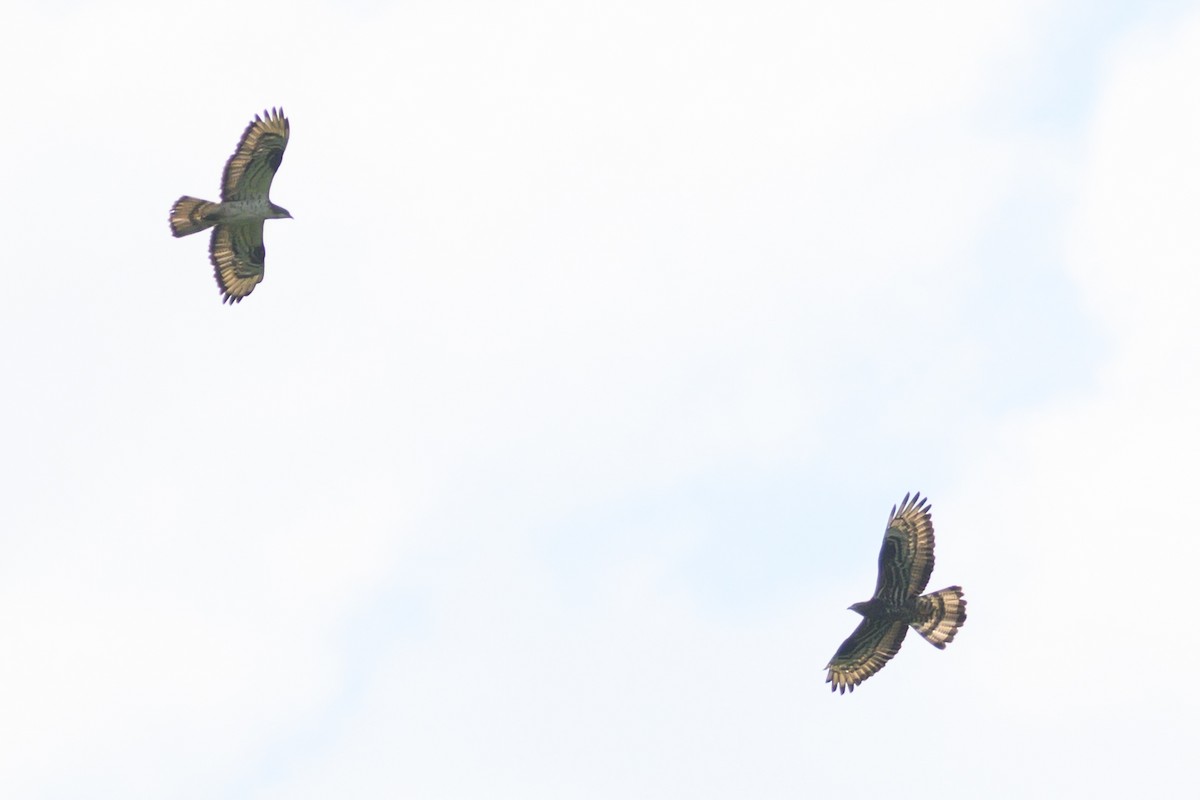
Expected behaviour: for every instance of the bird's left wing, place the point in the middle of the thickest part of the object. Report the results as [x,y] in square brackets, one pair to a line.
[238,258]
[872,645]
[251,168]
[906,558]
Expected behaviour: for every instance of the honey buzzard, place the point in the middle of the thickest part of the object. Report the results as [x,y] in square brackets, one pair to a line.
[905,564]
[236,249]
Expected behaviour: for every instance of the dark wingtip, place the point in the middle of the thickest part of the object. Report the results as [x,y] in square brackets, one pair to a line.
[917,502]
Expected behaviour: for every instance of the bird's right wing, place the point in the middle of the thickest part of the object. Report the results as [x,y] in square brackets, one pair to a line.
[872,645]
[252,167]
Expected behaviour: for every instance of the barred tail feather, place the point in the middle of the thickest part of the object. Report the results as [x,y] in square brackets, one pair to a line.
[940,615]
[191,215]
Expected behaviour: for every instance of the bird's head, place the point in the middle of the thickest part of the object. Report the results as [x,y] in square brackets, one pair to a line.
[280,212]
[861,608]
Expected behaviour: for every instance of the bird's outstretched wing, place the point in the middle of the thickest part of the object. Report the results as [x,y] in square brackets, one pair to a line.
[238,256]
[906,558]
[250,169]
[872,645]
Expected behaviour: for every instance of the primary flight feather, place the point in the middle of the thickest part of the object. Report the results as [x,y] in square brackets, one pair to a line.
[236,248]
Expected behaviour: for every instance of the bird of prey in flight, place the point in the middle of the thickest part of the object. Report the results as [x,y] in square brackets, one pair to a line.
[905,564]
[236,249]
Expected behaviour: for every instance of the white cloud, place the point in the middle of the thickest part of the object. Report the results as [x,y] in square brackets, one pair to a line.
[1086,531]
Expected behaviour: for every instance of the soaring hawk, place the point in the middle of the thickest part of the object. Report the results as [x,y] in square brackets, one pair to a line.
[905,564]
[236,249]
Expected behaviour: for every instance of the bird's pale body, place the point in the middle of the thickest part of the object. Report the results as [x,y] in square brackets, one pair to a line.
[253,210]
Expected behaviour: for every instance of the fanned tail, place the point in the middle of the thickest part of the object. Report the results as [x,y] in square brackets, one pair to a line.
[192,215]
[939,616]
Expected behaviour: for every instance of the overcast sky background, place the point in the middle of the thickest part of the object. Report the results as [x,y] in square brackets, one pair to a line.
[565,425]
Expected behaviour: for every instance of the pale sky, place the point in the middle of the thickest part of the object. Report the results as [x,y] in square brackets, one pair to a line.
[548,456]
